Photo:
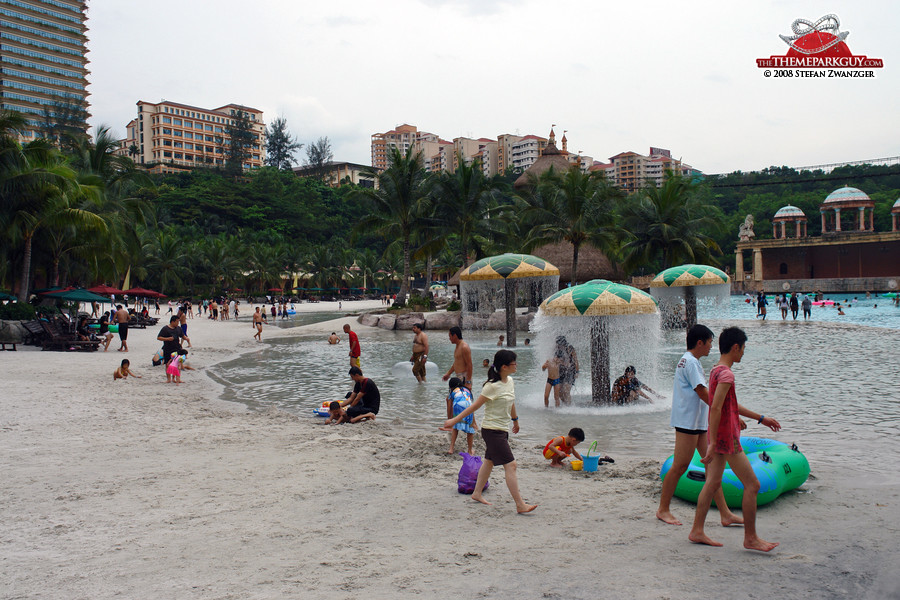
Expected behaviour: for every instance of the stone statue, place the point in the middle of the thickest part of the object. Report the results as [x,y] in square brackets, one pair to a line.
[746,230]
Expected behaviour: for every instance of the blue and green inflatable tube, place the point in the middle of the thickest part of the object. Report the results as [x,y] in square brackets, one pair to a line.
[778,466]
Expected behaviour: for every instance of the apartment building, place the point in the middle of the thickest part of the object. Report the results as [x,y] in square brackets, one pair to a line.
[43,61]
[403,137]
[632,170]
[169,134]
[526,151]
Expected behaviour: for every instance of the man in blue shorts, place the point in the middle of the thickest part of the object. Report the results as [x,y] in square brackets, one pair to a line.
[690,418]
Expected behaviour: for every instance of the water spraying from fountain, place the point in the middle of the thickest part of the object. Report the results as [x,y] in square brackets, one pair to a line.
[503,283]
[679,290]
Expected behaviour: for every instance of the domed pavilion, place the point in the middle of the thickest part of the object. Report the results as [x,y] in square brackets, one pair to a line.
[895,216]
[847,199]
[784,216]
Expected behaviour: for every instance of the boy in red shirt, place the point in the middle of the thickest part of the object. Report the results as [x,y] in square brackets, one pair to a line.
[725,444]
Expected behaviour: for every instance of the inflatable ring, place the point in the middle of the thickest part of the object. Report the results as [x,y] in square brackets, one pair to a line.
[778,467]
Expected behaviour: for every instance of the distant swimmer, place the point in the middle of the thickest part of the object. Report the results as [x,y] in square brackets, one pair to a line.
[333,338]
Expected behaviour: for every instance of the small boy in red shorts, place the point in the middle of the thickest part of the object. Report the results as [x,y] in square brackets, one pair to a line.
[725,444]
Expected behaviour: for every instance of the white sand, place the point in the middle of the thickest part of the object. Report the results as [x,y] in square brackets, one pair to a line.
[139,489]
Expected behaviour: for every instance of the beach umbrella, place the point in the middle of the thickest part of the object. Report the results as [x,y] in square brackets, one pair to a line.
[599,300]
[77,295]
[55,288]
[5,296]
[274,289]
[106,290]
[143,293]
[478,284]
[687,283]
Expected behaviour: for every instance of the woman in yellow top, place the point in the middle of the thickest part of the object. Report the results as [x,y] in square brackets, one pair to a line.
[498,396]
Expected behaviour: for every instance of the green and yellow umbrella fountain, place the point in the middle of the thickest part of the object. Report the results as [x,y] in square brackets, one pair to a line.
[687,283]
[599,300]
[478,284]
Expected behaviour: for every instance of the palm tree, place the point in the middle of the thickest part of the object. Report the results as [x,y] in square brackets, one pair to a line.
[397,204]
[463,201]
[37,190]
[670,223]
[575,207]
[165,259]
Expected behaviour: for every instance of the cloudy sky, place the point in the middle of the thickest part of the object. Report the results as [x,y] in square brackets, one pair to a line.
[618,76]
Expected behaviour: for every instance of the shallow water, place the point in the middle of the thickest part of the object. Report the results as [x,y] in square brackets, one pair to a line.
[832,386]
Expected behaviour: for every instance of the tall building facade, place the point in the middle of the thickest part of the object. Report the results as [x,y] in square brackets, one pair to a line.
[43,48]
[170,134]
[403,137]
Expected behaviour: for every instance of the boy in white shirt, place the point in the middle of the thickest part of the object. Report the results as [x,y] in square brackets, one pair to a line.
[690,418]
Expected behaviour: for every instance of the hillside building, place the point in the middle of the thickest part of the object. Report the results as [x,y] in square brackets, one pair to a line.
[169,135]
[43,62]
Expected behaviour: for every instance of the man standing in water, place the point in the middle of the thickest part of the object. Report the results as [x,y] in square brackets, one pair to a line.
[462,358]
[690,415]
[354,346]
[419,353]
[257,324]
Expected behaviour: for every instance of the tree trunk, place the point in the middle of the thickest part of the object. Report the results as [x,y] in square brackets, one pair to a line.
[26,271]
[429,267]
[54,278]
[575,264]
[404,283]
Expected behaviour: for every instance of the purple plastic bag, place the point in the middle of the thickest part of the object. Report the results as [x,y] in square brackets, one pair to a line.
[468,474]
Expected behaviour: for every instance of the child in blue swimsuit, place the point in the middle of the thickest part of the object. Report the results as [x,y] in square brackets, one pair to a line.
[458,400]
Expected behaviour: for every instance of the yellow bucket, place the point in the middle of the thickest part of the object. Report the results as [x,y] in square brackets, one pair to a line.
[576,465]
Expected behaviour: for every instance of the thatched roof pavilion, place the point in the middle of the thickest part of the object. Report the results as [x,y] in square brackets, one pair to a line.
[592,263]
[550,157]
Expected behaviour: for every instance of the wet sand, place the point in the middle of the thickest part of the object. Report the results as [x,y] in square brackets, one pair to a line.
[139,489]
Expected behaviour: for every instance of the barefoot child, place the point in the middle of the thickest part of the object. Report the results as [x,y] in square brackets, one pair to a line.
[176,363]
[725,444]
[690,417]
[559,448]
[552,368]
[498,396]
[458,400]
[336,414]
[124,371]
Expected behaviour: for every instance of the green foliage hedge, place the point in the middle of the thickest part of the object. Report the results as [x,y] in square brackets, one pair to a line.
[16,311]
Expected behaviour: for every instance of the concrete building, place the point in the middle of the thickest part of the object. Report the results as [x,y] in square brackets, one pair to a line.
[180,135]
[340,173]
[632,170]
[847,257]
[43,60]
[526,151]
[403,137]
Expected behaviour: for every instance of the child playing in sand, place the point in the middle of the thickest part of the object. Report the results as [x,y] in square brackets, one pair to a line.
[336,414]
[559,448]
[552,368]
[124,371]
[725,444]
[458,400]
[176,364]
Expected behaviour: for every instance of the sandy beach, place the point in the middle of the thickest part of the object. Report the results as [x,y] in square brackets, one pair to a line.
[142,489]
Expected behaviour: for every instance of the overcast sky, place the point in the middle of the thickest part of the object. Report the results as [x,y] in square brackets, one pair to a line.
[618,76]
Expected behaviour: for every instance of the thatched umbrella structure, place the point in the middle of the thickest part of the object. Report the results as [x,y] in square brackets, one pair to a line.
[688,282]
[592,262]
[599,300]
[509,269]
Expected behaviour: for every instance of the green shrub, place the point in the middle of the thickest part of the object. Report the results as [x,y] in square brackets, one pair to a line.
[454,306]
[420,303]
[16,311]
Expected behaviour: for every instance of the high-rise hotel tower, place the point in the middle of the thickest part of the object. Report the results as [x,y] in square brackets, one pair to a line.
[43,44]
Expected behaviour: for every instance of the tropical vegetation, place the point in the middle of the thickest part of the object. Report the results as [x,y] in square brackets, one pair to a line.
[78,211]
